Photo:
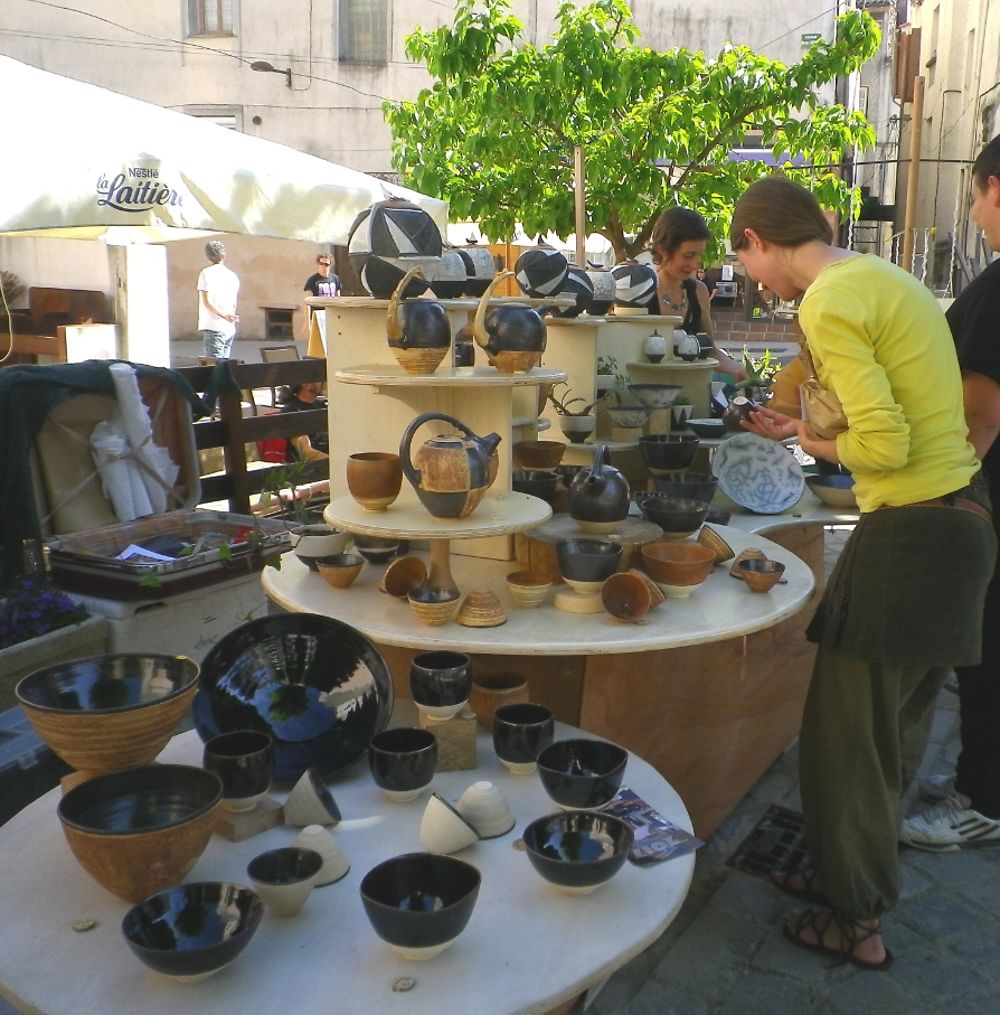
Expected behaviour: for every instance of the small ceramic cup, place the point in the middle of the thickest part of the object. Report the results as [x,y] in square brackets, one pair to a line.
[311,802]
[244,761]
[520,732]
[374,478]
[440,683]
[335,864]
[485,807]
[443,829]
[284,878]
[402,762]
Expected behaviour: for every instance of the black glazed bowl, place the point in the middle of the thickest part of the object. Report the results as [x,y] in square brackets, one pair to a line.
[191,931]
[521,731]
[582,773]
[668,452]
[687,485]
[244,762]
[403,761]
[567,473]
[287,865]
[538,483]
[318,686]
[375,549]
[418,903]
[677,516]
[706,427]
[440,679]
[577,851]
[587,560]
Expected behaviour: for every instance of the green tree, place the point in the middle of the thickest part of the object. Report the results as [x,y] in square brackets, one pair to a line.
[495,133]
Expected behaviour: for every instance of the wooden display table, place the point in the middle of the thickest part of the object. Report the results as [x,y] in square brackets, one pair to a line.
[526,950]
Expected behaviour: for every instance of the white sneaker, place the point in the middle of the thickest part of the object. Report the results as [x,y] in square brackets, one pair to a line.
[950,826]
[936,788]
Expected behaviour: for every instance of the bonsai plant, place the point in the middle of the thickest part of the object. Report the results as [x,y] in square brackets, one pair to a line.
[576,416]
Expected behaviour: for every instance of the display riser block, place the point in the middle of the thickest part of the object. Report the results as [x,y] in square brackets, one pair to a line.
[239,825]
[456,738]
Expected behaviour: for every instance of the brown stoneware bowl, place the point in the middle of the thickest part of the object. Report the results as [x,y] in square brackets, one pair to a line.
[761,575]
[710,538]
[374,478]
[538,454]
[403,574]
[143,829]
[678,568]
[630,595]
[528,589]
[341,569]
[433,606]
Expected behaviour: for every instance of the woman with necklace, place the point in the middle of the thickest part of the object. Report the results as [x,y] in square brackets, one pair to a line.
[678,241]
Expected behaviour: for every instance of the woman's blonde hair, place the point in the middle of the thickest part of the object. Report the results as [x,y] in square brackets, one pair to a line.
[780,212]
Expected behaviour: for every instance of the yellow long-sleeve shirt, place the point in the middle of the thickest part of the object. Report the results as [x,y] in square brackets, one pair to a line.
[879,340]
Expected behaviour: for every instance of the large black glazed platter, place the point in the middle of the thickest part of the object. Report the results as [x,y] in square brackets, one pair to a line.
[318,686]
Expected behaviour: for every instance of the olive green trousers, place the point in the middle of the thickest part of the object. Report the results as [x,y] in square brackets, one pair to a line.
[864,730]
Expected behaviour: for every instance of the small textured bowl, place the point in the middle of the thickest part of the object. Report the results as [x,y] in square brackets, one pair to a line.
[629,596]
[582,773]
[629,416]
[140,830]
[491,690]
[432,605]
[538,454]
[750,553]
[834,490]
[481,608]
[577,851]
[706,427]
[536,482]
[419,903]
[403,574]
[284,878]
[687,485]
[668,452]
[528,589]
[710,538]
[761,575]
[677,517]
[484,806]
[192,931]
[678,568]
[341,569]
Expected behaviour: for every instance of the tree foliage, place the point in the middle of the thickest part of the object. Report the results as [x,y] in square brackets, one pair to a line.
[495,134]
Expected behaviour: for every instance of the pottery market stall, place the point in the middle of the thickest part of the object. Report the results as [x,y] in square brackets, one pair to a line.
[527,949]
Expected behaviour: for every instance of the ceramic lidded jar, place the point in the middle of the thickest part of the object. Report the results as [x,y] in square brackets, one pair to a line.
[686,346]
[655,347]
[418,331]
[599,494]
[512,334]
[450,472]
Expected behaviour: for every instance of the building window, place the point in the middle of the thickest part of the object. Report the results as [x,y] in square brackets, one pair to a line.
[210,17]
[278,324]
[364,31]
[230,117]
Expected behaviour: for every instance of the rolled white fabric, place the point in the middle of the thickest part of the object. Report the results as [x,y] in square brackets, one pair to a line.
[110,449]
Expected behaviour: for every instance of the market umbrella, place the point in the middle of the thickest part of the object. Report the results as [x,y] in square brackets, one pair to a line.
[101,164]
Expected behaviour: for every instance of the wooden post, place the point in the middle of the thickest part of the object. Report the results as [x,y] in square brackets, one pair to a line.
[581,209]
[913,173]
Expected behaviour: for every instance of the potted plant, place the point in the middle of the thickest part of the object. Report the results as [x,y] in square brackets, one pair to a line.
[607,372]
[761,371]
[680,412]
[577,419]
[289,487]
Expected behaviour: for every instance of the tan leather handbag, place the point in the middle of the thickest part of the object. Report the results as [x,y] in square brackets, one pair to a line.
[820,406]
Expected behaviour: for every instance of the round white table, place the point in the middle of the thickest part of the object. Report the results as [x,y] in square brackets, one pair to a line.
[527,948]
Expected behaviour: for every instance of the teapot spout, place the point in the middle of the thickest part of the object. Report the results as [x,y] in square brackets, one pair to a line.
[490,442]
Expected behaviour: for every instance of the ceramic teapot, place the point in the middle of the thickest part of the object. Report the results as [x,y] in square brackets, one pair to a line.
[419,332]
[512,334]
[599,494]
[450,472]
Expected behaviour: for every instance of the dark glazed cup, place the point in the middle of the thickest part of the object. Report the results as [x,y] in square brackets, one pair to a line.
[402,761]
[520,733]
[244,761]
[440,683]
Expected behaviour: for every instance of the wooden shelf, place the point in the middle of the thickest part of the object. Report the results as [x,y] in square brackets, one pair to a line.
[381,375]
[674,364]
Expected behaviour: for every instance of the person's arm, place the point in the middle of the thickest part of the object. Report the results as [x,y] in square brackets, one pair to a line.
[727,365]
[307,318]
[232,318]
[981,395]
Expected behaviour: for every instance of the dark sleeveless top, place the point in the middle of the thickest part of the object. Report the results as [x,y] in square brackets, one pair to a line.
[692,319]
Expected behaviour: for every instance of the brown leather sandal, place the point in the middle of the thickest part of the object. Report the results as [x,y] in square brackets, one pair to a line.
[818,921]
[808,891]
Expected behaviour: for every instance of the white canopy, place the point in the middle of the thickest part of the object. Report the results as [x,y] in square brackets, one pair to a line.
[105,165]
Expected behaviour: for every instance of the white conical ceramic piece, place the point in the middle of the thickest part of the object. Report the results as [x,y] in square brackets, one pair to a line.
[335,864]
[311,803]
[486,809]
[443,829]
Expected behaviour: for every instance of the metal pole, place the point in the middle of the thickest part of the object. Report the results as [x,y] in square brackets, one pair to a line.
[581,208]
[913,172]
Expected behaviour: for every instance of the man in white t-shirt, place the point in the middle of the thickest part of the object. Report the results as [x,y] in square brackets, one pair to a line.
[218,288]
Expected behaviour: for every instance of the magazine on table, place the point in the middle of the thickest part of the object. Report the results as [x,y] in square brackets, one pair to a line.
[656,838]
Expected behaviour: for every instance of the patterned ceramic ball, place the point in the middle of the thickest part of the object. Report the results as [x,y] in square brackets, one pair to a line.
[604,292]
[387,240]
[635,284]
[381,275]
[579,286]
[541,271]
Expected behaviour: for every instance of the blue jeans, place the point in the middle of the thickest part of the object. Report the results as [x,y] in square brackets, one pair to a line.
[216,344]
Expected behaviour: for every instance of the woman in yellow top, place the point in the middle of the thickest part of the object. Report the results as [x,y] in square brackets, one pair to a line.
[904,603]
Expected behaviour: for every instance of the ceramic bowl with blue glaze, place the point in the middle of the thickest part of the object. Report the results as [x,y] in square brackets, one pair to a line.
[759,474]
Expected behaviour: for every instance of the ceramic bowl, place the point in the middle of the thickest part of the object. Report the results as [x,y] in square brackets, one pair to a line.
[582,773]
[576,429]
[750,553]
[341,569]
[375,549]
[687,485]
[678,568]
[284,878]
[759,474]
[440,683]
[761,575]
[520,733]
[311,542]
[191,931]
[630,595]
[108,712]
[317,685]
[535,482]
[567,473]
[311,802]
[577,851]
[668,452]
[244,762]
[538,454]
[491,690]
[432,605]
[678,517]
[403,574]
[374,478]
[481,608]
[419,903]
[629,416]
[321,840]
[706,427]
[710,538]
[140,830]
[528,589]
[655,396]
[835,490]
[402,762]
[443,829]
[587,561]
[484,806]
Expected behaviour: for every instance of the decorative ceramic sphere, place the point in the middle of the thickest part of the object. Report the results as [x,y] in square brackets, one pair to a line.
[635,284]
[686,346]
[655,347]
[450,275]
[578,285]
[480,267]
[541,271]
[604,292]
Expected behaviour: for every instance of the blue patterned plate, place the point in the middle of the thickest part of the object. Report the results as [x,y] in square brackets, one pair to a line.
[759,474]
